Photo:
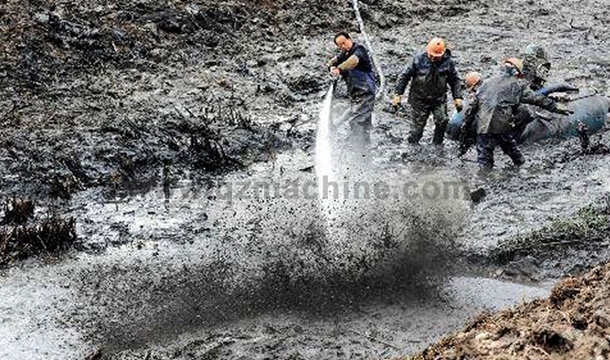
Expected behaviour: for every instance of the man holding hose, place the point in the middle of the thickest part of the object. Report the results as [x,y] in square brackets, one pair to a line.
[354,65]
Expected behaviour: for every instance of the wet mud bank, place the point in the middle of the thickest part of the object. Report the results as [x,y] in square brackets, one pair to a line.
[571,323]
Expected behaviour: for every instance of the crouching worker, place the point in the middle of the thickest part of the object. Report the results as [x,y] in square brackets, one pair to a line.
[493,107]
[354,65]
[473,81]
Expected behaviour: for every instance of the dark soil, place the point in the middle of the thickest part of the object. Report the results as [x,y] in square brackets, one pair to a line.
[100,94]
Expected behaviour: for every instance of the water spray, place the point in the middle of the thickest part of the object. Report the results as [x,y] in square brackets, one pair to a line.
[324,157]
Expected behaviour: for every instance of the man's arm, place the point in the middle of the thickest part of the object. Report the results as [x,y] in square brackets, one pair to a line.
[454,82]
[337,60]
[350,63]
[528,96]
[467,139]
[404,78]
[470,114]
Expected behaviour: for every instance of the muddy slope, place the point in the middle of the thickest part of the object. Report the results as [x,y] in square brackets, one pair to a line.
[573,323]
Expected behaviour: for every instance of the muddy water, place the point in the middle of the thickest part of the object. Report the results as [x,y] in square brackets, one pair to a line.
[204,269]
[193,271]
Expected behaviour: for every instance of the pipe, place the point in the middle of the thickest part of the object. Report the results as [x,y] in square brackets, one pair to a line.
[380,92]
[591,111]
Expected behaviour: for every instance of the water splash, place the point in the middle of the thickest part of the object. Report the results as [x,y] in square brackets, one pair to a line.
[324,146]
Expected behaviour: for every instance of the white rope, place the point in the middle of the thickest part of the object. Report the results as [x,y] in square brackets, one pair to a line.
[381,91]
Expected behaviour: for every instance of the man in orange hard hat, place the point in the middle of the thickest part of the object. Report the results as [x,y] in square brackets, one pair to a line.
[431,72]
[493,107]
[473,81]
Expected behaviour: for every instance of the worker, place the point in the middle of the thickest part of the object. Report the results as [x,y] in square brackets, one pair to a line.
[472,81]
[493,108]
[354,65]
[536,66]
[430,72]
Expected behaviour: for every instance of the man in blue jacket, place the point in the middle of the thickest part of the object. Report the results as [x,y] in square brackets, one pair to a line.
[354,65]
[430,73]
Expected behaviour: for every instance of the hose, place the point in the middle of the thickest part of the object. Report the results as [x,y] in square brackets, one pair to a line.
[380,92]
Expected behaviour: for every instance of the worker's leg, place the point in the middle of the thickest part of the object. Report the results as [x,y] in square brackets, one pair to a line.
[486,144]
[441,119]
[419,117]
[509,147]
[361,122]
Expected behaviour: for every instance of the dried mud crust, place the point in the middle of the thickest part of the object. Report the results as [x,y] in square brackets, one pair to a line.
[573,323]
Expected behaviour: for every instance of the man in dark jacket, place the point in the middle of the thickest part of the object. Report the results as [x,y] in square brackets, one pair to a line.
[356,68]
[430,73]
[494,106]
[473,81]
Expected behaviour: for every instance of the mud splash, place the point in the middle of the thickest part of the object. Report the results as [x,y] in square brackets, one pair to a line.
[265,261]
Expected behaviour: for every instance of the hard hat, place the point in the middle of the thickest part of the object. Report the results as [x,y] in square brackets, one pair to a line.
[472,79]
[517,63]
[436,47]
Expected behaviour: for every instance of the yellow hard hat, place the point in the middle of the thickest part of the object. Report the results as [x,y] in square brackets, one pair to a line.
[517,63]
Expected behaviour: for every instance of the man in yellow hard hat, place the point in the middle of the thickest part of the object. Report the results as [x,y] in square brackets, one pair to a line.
[430,73]
[493,107]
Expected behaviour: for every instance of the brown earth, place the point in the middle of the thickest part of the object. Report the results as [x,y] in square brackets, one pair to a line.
[573,323]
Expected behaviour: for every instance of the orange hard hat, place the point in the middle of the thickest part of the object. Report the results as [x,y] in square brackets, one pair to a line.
[436,47]
[472,79]
[517,63]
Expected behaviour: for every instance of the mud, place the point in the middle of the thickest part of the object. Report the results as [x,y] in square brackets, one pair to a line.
[571,323]
[135,118]
[22,234]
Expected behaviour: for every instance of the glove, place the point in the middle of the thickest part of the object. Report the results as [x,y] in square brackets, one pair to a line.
[335,71]
[562,109]
[458,104]
[396,100]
